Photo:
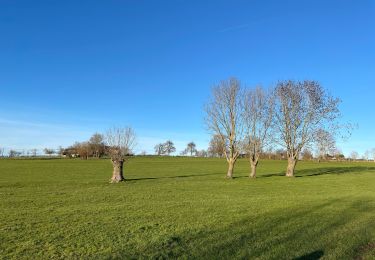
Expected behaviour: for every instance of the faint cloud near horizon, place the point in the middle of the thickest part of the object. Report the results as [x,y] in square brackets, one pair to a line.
[16,134]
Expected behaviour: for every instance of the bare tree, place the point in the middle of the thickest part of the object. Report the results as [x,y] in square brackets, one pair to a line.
[48,151]
[224,117]
[325,143]
[2,150]
[159,149]
[258,114]
[202,153]
[14,153]
[97,145]
[121,142]
[302,108]
[191,148]
[366,155]
[338,154]
[34,152]
[354,155]
[216,146]
[82,149]
[169,147]
[307,154]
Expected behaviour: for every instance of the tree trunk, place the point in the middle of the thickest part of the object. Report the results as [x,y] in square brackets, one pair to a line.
[253,166]
[291,166]
[117,175]
[230,169]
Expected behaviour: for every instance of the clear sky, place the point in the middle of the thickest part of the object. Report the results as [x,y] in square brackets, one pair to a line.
[70,68]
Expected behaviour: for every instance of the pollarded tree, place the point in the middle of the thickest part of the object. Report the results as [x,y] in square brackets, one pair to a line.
[224,118]
[302,108]
[258,114]
[120,142]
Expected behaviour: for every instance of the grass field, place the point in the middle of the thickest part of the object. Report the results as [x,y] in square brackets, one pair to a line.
[184,208]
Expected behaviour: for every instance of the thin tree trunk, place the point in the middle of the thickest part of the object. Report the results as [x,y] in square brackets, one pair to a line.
[230,169]
[117,175]
[253,166]
[291,166]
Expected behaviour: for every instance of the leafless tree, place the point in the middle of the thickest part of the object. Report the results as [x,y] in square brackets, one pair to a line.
[354,155]
[14,153]
[258,114]
[2,150]
[159,149]
[366,155]
[373,154]
[224,117]
[120,142]
[307,154]
[216,146]
[325,143]
[97,145]
[302,108]
[202,153]
[48,151]
[82,149]
[169,147]
[34,152]
[191,148]
[338,154]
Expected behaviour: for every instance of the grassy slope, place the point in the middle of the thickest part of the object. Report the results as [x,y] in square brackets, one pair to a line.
[181,207]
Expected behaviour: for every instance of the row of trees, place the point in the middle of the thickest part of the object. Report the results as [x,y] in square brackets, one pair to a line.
[292,114]
[94,147]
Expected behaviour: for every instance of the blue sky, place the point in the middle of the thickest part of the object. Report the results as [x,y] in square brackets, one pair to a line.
[70,68]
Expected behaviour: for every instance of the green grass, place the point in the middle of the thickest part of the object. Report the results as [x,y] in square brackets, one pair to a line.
[184,208]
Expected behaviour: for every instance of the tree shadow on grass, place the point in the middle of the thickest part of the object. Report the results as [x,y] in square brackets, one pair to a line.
[299,232]
[298,173]
[332,170]
[170,177]
[322,171]
[311,256]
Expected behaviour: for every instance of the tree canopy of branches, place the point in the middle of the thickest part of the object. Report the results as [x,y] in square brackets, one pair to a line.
[307,154]
[2,150]
[216,147]
[258,114]
[159,149]
[48,151]
[325,143]
[97,145]
[120,142]
[165,148]
[14,153]
[224,118]
[302,108]
[191,148]
[82,149]
[169,147]
[354,155]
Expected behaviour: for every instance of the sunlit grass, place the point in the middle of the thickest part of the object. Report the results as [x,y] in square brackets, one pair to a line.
[185,208]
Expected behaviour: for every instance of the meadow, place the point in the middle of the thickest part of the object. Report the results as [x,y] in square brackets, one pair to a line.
[184,208]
